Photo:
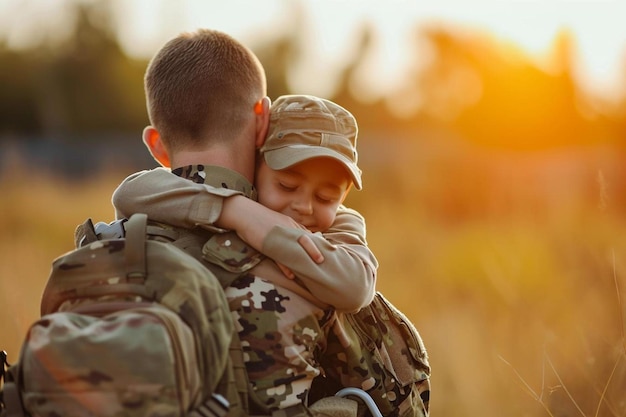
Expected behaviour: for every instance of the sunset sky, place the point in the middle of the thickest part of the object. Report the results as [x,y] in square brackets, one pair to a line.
[144,25]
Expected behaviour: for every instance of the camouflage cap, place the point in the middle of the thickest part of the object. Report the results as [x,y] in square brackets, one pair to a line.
[304,127]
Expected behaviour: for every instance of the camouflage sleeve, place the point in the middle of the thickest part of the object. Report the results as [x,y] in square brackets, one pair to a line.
[347,277]
[169,199]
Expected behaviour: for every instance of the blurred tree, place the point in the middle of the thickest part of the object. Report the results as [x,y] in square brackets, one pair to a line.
[371,116]
[488,92]
[85,85]
[275,57]
[18,112]
[101,88]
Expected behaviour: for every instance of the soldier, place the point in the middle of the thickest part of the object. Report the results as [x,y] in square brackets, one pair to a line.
[305,170]
[209,115]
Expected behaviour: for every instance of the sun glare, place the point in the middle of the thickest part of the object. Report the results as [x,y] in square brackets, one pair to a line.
[332,26]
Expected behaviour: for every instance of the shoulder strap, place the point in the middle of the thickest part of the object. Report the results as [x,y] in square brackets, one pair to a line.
[10,399]
[84,233]
[4,364]
[134,230]
[135,247]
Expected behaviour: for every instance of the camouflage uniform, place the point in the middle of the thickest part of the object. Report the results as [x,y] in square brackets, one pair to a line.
[281,323]
[379,351]
[348,361]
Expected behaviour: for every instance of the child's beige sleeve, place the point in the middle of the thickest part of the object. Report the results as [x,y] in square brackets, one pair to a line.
[347,277]
[170,199]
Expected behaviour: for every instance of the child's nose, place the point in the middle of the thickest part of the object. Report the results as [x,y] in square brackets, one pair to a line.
[303,205]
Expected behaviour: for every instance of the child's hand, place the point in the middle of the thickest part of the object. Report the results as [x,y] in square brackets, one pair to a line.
[286,271]
[252,221]
[310,248]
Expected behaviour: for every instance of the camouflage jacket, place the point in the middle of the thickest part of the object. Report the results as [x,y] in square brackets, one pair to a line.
[352,267]
[281,331]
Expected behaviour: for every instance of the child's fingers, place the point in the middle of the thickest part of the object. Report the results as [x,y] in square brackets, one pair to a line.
[286,271]
[310,248]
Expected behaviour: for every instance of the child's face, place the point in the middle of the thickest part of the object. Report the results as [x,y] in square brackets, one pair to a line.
[309,192]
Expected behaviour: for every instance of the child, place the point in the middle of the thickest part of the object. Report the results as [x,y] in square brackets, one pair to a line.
[305,170]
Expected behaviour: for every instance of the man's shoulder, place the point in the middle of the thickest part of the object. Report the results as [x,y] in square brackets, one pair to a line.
[151,175]
[347,212]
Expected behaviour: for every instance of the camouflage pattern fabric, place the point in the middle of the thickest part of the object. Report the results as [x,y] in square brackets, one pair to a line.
[229,252]
[278,334]
[281,336]
[281,333]
[129,327]
[379,351]
[78,365]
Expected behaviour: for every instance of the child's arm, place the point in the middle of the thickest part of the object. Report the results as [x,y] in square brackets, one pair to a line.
[173,200]
[346,276]
[170,199]
[346,279]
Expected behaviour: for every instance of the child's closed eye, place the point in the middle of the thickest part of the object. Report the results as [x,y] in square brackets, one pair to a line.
[326,199]
[287,187]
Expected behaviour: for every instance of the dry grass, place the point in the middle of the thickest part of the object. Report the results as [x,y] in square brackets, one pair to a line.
[37,222]
[522,312]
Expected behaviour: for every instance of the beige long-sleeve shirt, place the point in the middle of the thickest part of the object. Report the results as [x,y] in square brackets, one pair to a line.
[346,278]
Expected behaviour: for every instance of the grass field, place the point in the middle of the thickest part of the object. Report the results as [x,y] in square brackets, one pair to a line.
[517,295]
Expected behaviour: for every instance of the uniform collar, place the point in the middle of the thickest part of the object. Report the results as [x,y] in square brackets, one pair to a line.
[218,177]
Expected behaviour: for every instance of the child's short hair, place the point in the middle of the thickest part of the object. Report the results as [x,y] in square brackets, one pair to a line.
[304,127]
[202,84]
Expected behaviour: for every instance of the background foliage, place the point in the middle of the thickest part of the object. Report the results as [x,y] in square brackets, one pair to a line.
[495,207]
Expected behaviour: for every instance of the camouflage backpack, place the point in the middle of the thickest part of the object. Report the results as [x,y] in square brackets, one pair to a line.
[379,351]
[129,327]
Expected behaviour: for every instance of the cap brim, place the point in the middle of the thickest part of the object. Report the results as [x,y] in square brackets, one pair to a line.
[287,156]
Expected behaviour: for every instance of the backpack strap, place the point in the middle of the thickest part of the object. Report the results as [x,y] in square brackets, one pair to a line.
[134,230]
[4,364]
[12,404]
[135,247]
[10,399]
[216,406]
[85,233]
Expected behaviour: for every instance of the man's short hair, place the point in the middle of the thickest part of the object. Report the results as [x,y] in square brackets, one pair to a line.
[202,86]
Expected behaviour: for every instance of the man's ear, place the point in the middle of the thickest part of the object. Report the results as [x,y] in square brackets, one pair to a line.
[262,112]
[152,140]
